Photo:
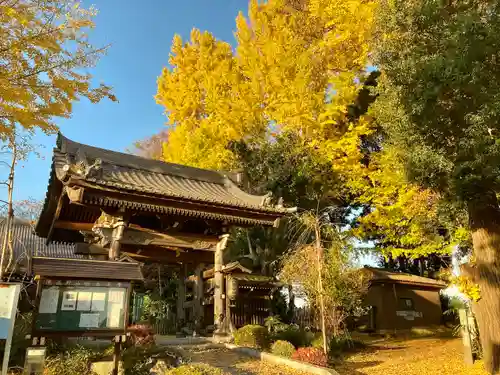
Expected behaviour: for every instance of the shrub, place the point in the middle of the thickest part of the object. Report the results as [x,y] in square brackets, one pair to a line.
[342,344]
[313,356]
[139,360]
[274,324]
[141,334]
[75,361]
[283,348]
[294,335]
[317,341]
[252,336]
[194,369]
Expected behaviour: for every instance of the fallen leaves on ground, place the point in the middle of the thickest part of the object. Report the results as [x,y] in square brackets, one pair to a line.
[443,356]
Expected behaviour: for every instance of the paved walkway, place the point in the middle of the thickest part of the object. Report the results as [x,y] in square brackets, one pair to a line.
[234,363]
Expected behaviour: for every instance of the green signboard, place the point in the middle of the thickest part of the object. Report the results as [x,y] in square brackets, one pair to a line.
[82,306]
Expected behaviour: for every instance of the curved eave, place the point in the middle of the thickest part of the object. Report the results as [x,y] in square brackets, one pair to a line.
[54,189]
[132,198]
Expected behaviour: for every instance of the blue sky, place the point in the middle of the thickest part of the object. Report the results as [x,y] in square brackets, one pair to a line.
[140,34]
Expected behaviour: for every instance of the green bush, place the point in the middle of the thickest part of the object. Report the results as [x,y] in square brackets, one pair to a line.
[283,348]
[137,360]
[274,324]
[22,327]
[194,369]
[313,356]
[294,335]
[317,341]
[252,336]
[75,361]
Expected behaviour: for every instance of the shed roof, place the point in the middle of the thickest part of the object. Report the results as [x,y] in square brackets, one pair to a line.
[27,244]
[383,275]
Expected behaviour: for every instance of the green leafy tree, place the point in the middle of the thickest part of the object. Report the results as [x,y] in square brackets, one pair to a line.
[439,106]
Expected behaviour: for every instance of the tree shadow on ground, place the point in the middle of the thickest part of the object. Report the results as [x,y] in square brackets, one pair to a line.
[355,368]
[369,349]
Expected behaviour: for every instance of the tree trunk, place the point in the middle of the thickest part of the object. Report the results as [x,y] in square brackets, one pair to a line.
[7,239]
[291,303]
[484,216]
[319,253]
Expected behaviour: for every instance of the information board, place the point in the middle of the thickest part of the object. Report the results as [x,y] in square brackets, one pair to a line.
[9,297]
[80,306]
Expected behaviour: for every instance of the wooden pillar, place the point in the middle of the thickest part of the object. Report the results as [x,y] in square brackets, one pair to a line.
[116,355]
[198,296]
[229,326]
[181,297]
[219,305]
[114,249]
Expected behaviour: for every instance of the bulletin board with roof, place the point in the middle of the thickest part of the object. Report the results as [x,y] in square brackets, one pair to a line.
[69,303]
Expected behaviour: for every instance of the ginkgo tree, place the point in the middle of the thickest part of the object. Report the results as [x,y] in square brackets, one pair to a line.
[290,72]
[44,48]
[281,106]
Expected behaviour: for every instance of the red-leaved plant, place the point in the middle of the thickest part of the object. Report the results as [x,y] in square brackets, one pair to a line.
[314,356]
[141,334]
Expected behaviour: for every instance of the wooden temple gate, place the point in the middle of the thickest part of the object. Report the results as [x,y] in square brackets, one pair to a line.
[121,207]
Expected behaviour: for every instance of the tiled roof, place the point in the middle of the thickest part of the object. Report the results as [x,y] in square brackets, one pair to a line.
[27,244]
[85,268]
[380,275]
[137,174]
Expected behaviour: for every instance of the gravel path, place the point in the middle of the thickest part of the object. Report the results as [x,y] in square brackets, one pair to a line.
[234,363]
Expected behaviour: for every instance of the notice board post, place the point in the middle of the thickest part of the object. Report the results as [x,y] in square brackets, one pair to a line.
[9,297]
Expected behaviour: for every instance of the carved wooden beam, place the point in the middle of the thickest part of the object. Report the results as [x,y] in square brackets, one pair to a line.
[70,225]
[138,236]
[161,255]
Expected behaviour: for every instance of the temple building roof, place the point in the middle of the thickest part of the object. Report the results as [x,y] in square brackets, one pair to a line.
[99,178]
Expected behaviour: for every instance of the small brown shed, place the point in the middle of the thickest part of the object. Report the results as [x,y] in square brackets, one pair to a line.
[402,301]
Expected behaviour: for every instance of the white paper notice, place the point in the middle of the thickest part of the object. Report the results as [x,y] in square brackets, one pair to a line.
[114,315]
[49,300]
[89,320]
[7,301]
[116,296]
[69,301]
[84,301]
[98,301]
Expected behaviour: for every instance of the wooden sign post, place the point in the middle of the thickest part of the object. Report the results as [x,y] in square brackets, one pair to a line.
[9,297]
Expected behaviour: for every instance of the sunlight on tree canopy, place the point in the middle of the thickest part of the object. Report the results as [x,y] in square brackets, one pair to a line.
[44,48]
